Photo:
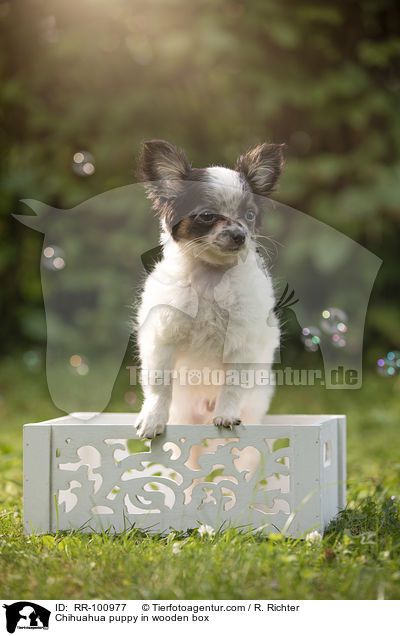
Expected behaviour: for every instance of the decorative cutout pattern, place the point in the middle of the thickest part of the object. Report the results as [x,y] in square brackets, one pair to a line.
[268,478]
[221,480]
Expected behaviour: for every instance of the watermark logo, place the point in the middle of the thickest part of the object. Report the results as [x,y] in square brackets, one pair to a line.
[92,272]
[26,615]
[243,378]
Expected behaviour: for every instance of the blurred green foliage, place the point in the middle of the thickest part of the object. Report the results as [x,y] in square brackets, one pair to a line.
[212,76]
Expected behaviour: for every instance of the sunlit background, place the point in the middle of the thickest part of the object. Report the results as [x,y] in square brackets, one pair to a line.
[84,82]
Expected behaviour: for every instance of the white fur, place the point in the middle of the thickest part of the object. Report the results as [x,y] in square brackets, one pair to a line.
[198,315]
[224,177]
[227,185]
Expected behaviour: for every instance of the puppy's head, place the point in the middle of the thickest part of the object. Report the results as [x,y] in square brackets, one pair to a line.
[212,212]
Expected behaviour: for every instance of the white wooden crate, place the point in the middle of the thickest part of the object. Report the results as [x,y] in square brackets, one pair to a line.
[91,472]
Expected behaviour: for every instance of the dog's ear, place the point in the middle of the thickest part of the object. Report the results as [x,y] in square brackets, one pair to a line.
[162,167]
[261,167]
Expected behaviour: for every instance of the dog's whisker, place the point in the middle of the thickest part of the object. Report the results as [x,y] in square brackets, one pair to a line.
[262,246]
[191,244]
[264,250]
[271,240]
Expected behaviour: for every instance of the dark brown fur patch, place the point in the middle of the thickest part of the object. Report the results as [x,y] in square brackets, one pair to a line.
[183,229]
[190,227]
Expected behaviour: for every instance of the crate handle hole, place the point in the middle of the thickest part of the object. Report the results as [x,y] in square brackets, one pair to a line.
[327,454]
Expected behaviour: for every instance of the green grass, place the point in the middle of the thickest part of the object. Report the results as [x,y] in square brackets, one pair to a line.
[357,558]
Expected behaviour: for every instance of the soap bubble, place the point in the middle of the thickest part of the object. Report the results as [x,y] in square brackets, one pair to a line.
[83,164]
[389,365]
[79,364]
[130,398]
[338,341]
[311,337]
[334,321]
[32,359]
[53,258]
[334,324]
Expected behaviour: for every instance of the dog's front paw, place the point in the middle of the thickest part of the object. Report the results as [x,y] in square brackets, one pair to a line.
[227,422]
[149,424]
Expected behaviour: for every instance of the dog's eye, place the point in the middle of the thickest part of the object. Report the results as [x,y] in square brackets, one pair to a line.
[206,217]
[250,215]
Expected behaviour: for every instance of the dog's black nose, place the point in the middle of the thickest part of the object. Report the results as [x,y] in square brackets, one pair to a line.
[238,236]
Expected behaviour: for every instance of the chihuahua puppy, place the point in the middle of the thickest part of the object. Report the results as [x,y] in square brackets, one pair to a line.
[207,309]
